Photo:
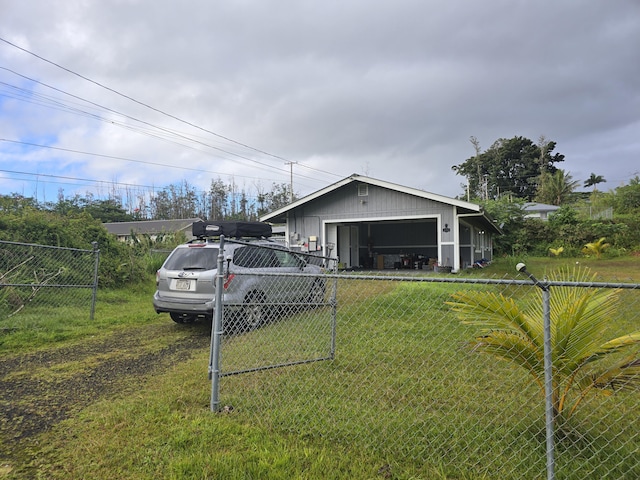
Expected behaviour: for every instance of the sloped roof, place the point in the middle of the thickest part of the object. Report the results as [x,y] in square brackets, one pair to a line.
[150,227]
[372,181]
[540,207]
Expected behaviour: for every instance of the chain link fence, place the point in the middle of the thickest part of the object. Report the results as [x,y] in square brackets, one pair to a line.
[40,283]
[415,377]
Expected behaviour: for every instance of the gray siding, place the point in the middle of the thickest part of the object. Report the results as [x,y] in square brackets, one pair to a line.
[380,202]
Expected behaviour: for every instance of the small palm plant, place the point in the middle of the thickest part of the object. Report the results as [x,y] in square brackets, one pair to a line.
[597,248]
[579,320]
[556,252]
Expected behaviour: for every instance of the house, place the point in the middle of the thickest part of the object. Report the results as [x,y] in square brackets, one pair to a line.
[122,230]
[373,223]
[539,210]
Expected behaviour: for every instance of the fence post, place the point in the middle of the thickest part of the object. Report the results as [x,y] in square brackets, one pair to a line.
[548,371]
[96,254]
[216,331]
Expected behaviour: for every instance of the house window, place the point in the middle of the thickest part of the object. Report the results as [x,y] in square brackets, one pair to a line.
[363,190]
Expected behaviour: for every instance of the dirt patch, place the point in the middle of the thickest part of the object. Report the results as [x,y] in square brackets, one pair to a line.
[41,389]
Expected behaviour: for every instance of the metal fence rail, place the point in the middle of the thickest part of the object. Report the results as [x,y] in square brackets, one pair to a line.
[408,381]
[40,280]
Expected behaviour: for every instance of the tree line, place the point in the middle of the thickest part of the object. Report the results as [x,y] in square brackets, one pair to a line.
[222,201]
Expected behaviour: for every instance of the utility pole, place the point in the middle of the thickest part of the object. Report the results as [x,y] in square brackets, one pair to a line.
[291,180]
[476,146]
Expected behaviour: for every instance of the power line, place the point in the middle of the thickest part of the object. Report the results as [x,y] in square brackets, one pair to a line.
[64,177]
[113,157]
[166,130]
[156,109]
[139,102]
[53,102]
[98,183]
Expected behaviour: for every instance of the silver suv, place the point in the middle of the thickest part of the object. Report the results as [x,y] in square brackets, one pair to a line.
[259,277]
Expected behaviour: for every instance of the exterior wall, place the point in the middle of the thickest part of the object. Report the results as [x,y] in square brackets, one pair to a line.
[346,205]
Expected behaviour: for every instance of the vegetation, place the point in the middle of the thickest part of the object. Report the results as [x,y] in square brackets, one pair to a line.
[581,342]
[593,181]
[515,171]
[555,188]
[574,225]
[596,248]
[509,167]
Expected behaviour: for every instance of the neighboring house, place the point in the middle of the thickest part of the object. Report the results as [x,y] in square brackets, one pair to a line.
[377,224]
[539,210]
[122,230]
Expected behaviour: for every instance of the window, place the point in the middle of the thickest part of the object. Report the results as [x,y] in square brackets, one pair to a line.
[193,259]
[254,257]
[288,259]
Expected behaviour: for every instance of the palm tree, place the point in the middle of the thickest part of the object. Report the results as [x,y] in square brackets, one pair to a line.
[594,180]
[556,188]
[579,320]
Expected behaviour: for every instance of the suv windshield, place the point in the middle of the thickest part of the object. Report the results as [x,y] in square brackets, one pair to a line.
[196,258]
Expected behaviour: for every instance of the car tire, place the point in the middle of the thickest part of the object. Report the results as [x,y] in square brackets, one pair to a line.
[182,317]
[317,294]
[254,312]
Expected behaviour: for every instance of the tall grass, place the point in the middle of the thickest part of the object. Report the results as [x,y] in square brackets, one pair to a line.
[47,324]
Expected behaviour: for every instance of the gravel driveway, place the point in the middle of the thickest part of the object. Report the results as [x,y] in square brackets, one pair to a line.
[38,390]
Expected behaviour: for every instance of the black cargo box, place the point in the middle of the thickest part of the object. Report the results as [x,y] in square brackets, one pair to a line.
[231,229]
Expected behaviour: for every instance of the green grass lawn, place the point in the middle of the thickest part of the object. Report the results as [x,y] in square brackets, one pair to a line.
[404,398]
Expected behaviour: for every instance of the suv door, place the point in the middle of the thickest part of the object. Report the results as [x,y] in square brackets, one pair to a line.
[297,287]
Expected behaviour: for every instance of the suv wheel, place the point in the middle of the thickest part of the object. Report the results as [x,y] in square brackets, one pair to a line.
[254,311]
[317,293]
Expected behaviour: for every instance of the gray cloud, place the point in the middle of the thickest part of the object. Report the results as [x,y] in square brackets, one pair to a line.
[390,89]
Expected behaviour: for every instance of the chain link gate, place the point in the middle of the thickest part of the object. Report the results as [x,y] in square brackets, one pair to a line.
[409,384]
[40,280]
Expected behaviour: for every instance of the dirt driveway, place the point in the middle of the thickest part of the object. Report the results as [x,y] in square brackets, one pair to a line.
[40,389]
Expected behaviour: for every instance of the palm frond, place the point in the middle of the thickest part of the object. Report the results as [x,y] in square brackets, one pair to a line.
[515,348]
[580,317]
[615,345]
[624,375]
[491,311]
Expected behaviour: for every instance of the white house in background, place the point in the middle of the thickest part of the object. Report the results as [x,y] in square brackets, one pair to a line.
[539,210]
[153,228]
[373,223]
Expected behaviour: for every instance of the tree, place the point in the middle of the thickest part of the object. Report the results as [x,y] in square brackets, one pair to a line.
[583,358]
[556,188]
[508,166]
[219,195]
[279,196]
[509,214]
[108,211]
[175,201]
[594,180]
[626,199]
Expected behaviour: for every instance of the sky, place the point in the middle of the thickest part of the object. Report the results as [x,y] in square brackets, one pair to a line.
[128,97]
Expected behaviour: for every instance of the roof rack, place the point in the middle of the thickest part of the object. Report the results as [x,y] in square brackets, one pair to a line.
[232,229]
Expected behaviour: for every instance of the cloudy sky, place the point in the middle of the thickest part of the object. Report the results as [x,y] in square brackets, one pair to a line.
[113,95]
